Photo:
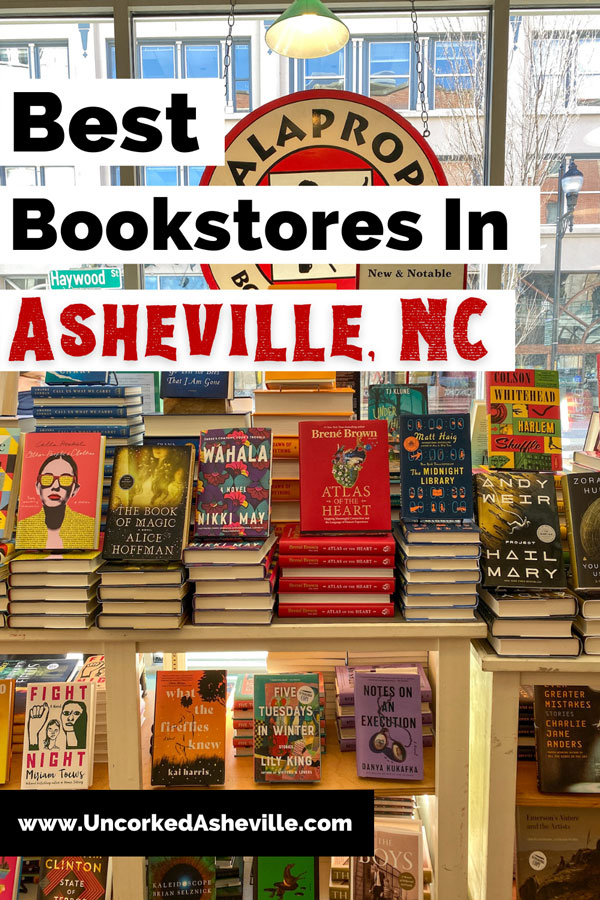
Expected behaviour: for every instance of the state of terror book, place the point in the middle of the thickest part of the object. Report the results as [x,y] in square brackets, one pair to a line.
[275,876]
[234,483]
[188,742]
[435,460]
[181,877]
[388,721]
[567,739]
[148,517]
[390,401]
[523,409]
[520,530]
[287,728]
[74,878]
[58,743]
[582,509]
[344,476]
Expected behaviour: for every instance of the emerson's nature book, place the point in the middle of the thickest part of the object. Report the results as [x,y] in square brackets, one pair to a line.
[287,728]
[234,483]
[58,742]
[567,739]
[148,513]
[76,877]
[188,743]
[181,877]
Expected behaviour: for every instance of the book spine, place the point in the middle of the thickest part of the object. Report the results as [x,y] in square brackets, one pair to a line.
[570,532]
[70,392]
[327,586]
[286,447]
[327,610]
[111,431]
[285,489]
[86,412]
[376,546]
[318,562]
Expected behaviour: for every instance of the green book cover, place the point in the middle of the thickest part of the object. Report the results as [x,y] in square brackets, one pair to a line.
[390,401]
[287,726]
[286,877]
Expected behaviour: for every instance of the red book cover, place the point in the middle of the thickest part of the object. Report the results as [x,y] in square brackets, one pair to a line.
[323,561]
[329,586]
[344,476]
[340,610]
[293,541]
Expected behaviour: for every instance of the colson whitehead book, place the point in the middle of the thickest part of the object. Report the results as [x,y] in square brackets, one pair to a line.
[391,401]
[388,721]
[567,739]
[520,531]
[61,491]
[77,877]
[274,877]
[435,460]
[523,410]
[287,726]
[58,744]
[234,483]
[10,869]
[582,508]
[344,477]
[181,877]
[188,744]
[148,518]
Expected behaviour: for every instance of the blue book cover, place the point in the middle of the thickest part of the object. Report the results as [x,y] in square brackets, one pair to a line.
[87,412]
[76,377]
[210,385]
[83,391]
[435,462]
[110,431]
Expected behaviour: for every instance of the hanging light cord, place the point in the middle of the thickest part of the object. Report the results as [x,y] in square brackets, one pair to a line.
[420,70]
[228,44]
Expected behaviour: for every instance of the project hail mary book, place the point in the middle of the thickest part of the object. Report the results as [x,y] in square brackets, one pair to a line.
[234,483]
[344,476]
[287,728]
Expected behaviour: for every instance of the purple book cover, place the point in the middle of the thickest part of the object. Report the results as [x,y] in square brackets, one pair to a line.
[389,731]
[344,680]
[234,483]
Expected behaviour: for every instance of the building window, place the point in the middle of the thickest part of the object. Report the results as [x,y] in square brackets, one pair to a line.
[587,80]
[111,60]
[455,74]
[202,60]
[388,72]
[43,60]
[170,176]
[157,60]
[331,72]
[241,76]
[34,176]
[170,281]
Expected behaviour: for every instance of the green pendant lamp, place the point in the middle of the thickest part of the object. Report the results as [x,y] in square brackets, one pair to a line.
[307,30]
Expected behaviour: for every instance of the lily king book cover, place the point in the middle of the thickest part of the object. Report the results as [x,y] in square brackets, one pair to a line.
[344,476]
[435,461]
[520,530]
[234,483]
[287,728]
[389,725]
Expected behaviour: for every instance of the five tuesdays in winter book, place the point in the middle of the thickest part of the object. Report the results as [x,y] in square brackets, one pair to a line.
[287,728]
[181,877]
[76,877]
[234,483]
[188,743]
[58,749]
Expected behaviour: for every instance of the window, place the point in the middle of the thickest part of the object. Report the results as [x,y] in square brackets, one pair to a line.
[176,278]
[202,60]
[388,72]
[170,176]
[157,60]
[43,60]
[241,76]
[325,72]
[32,176]
[455,74]
[588,72]
[111,61]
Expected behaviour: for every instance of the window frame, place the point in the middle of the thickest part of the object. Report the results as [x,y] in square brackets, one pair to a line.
[368,41]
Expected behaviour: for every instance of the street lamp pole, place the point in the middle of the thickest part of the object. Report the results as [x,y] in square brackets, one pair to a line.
[570,182]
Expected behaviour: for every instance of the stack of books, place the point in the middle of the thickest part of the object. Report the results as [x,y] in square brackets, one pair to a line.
[7,553]
[143,595]
[234,582]
[288,399]
[323,661]
[582,507]
[344,698]
[229,879]
[322,575]
[339,878]
[524,597]
[526,734]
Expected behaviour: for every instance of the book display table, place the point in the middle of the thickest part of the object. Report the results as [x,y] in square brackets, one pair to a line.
[498,783]
[446,768]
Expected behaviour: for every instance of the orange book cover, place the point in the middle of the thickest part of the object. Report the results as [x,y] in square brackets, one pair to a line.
[286,447]
[285,489]
[188,744]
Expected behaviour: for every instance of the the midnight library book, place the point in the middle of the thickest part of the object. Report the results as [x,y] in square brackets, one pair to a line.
[435,461]
[234,483]
[582,509]
[279,877]
[344,476]
[188,742]
[77,877]
[567,739]
[181,878]
[148,515]
[287,728]
[389,725]
[520,531]
[390,401]
[523,410]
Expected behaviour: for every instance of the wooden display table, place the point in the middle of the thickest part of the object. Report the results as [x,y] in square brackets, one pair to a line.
[497,783]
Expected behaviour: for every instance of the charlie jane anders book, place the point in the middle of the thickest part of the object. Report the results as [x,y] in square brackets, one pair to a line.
[148,515]
[390,401]
[181,877]
[558,852]
[188,743]
[58,744]
[520,531]
[344,476]
[567,739]
[582,509]
[388,721]
[76,877]
[10,868]
[396,867]
[287,728]
[283,877]
[234,483]
[435,460]
[523,410]
[60,491]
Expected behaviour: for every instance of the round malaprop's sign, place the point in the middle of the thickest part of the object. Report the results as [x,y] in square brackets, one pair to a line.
[326,138]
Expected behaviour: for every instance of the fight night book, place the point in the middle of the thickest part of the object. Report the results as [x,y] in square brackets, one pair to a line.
[74,878]
[287,728]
